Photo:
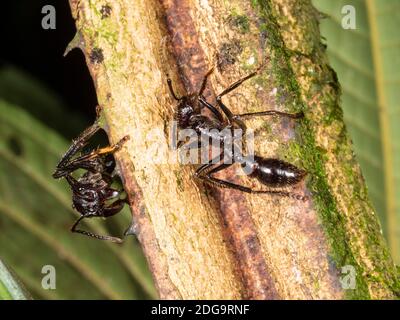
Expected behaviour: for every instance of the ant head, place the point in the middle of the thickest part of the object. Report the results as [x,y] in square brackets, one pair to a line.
[188,105]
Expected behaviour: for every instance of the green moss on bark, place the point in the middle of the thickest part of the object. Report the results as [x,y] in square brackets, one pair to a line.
[313,157]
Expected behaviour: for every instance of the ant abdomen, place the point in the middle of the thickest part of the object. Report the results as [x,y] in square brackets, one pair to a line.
[273,172]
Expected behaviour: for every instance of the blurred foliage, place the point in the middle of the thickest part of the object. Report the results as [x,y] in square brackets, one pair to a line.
[367,61]
[10,286]
[22,90]
[36,212]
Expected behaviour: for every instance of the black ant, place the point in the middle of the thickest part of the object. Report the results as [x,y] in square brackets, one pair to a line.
[270,172]
[92,194]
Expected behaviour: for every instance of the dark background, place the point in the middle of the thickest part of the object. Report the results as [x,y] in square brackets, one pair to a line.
[39,52]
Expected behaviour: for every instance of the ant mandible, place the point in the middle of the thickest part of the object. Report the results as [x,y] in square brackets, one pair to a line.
[270,172]
[92,194]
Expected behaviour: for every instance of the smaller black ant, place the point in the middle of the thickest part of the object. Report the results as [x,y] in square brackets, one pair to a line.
[92,194]
[270,172]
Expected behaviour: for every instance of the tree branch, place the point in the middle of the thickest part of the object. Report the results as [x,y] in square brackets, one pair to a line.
[203,242]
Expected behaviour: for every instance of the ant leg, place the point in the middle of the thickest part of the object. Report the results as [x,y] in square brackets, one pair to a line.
[93,235]
[210,107]
[297,115]
[80,141]
[171,89]
[239,117]
[204,83]
[236,84]
[72,182]
[231,117]
[114,208]
[77,144]
[111,149]
[205,173]
[109,211]
[84,161]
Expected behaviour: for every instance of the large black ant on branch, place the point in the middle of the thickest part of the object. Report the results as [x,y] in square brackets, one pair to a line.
[92,193]
[270,172]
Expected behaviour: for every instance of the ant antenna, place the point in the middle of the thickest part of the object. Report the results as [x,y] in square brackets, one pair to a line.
[171,89]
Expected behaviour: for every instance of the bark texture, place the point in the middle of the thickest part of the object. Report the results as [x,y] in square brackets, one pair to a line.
[208,243]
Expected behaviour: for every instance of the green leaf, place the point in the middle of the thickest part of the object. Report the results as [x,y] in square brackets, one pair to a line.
[367,61]
[36,214]
[10,287]
[19,89]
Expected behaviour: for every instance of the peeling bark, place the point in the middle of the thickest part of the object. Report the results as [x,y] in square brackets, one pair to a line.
[210,243]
